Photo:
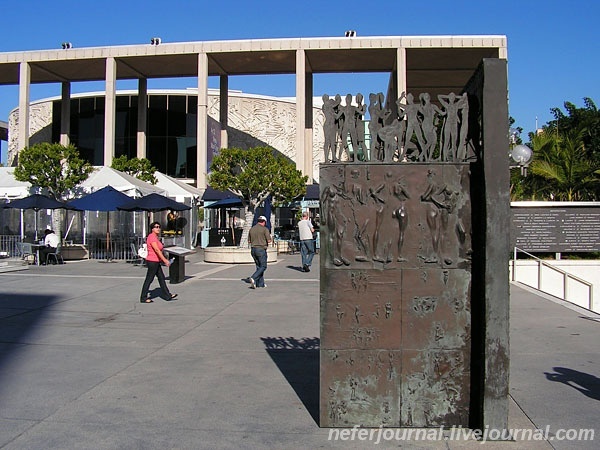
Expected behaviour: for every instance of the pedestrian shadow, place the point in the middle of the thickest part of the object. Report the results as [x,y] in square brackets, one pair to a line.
[298,361]
[299,269]
[588,385]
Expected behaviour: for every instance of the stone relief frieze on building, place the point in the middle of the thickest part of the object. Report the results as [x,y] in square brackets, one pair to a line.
[40,127]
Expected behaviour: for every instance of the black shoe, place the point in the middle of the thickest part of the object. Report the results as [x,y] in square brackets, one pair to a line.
[307,268]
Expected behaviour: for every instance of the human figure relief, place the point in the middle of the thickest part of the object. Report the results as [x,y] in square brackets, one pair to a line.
[360,153]
[461,153]
[329,109]
[442,203]
[452,106]
[409,111]
[347,127]
[358,199]
[428,113]
[376,195]
[376,115]
[335,221]
[401,215]
[391,136]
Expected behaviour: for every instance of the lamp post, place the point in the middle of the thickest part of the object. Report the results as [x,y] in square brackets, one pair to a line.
[520,156]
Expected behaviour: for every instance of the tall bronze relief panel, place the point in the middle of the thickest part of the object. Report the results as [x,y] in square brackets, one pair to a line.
[395,294]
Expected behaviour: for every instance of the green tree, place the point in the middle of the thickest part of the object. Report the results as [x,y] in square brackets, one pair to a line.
[562,169]
[140,168]
[585,121]
[52,166]
[253,175]
[566,158]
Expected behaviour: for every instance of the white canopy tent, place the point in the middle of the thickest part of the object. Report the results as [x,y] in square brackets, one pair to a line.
[122,182]
[10,188]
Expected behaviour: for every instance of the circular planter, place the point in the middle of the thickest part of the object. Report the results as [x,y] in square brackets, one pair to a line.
[234,255]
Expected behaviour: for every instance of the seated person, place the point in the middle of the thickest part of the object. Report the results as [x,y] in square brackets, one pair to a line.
[51,242]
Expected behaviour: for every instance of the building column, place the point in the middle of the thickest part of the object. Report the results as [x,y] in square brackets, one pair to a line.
[142,119]
[65,114]
[300,111]
[400,71]
[110,110]
[224,109]
[24,90]
[202,122]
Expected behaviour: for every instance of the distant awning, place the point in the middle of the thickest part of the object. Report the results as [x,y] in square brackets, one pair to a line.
[226,203]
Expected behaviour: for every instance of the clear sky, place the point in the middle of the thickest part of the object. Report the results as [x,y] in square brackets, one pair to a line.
[553,45]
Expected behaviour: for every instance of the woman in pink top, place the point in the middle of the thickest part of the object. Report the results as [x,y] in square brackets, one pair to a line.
[153,260]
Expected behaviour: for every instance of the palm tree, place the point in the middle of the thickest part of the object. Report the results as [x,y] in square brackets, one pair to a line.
[561,169]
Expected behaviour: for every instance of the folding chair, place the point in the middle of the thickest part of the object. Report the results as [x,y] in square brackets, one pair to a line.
[136,258]
[25,250]
[56,254]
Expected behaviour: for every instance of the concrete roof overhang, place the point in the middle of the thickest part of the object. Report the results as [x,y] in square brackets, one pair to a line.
[438,64]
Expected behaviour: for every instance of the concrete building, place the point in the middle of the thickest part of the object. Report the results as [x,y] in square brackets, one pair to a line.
[171,127]
[433,64]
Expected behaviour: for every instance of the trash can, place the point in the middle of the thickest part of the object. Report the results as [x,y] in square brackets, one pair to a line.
[177,267]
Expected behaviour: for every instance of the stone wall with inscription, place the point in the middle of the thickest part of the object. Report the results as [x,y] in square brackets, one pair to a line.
[395,294]
[557,229]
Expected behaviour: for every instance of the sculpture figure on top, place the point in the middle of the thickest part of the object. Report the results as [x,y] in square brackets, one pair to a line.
[360,153]
[406,132]
[409,111]
[453,105]
[428,113]
[330,127]
[377,116]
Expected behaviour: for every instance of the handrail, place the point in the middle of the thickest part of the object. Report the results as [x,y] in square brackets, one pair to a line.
[566,276]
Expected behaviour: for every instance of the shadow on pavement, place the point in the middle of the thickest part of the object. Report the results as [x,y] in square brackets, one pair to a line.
[585,383]
[19,316]
[298,361]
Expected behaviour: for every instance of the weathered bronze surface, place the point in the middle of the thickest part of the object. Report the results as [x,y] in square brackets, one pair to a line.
[395,294]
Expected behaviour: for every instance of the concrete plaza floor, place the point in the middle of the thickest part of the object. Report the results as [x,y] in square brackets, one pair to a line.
[84,365]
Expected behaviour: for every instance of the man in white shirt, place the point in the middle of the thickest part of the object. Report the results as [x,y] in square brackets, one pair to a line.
[51,242]
[307,243]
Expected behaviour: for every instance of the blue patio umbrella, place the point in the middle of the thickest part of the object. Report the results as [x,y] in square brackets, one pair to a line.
[225,203]
[153,203]
[106,199]
[36,202]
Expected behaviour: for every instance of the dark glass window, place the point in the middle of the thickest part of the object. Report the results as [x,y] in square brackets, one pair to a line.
[177,139]
[126,127]
[87,128]
[156,150]
[56,110]
[171,130]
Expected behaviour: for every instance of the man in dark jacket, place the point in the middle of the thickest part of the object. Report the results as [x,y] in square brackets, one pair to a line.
[259,238]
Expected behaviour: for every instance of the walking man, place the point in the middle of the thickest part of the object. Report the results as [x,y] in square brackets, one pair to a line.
[259,238]
[307,243]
